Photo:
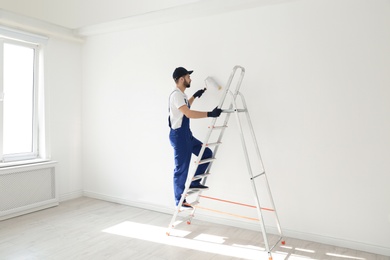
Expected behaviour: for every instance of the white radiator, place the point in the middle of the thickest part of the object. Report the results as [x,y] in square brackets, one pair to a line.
[27,188]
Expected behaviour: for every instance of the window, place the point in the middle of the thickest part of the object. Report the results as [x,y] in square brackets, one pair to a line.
[19,100]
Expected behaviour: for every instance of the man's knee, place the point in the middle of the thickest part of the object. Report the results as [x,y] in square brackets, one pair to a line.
[207,153]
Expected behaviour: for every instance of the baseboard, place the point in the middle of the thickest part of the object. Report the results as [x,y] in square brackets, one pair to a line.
[338,242]
[251,226]
[136,204]
[27,211]
[70,195]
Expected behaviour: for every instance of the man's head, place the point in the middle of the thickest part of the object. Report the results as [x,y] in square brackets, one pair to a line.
[182,76]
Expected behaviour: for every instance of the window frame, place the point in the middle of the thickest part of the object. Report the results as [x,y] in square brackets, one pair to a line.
[28,40]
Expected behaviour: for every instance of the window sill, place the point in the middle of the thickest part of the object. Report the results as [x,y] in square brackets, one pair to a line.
[23,163]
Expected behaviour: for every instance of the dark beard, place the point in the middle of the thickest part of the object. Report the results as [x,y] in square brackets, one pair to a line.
[187,84]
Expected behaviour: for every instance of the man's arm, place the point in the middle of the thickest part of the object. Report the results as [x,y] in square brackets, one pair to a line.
[197,94]
[199,114]
[192,113]
[191,100]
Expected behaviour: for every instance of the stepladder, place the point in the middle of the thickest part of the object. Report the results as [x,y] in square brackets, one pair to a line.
[232,102]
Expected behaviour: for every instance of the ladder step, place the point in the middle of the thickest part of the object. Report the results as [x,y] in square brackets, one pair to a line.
[192,192]
[234,110]
[199,189]
[258,175]
[217,127]
[212,144]
[194,203]
[205,161]
[200,176]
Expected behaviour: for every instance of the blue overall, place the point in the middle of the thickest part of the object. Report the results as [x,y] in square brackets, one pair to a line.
[184,144]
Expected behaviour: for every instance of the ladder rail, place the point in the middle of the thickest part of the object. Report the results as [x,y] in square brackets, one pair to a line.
[232,74]
[222,100]
[249,121]
[249,168]
[252,130]
[222,131]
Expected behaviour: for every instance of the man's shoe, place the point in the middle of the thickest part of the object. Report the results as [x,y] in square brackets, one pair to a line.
[186,206]
[198,187]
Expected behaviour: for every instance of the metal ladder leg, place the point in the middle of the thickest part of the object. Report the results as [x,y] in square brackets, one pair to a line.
[249,168]
[249,121]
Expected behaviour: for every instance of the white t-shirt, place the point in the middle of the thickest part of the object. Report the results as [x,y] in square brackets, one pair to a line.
[176,100]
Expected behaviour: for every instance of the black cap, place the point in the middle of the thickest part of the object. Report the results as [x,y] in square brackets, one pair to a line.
[180,72]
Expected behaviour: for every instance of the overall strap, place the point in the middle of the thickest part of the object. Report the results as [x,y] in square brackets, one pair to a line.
[169,108]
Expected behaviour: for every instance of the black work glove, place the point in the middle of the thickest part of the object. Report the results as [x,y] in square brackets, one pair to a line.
[199,93]
[215,113]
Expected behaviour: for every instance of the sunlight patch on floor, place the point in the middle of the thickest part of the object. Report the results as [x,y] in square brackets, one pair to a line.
[305,250]
[210,238]
[299,257]
[209,243]
[345,256]
[203,242]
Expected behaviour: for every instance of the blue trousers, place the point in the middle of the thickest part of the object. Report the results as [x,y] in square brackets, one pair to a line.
[184,145]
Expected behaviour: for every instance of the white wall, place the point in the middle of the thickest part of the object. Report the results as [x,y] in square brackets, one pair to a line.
[317,85]
[63,84]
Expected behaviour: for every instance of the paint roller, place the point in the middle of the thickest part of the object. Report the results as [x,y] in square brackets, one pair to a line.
[210,82]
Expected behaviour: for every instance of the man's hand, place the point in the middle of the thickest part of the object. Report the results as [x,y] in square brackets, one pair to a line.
[215,113]
[199,93]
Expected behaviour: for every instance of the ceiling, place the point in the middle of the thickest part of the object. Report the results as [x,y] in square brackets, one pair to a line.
[78,14]
[75,14]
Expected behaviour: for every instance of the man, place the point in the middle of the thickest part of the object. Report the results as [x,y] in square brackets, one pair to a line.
[180,136]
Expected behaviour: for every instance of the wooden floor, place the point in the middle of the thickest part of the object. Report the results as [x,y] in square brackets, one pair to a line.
[86,228]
